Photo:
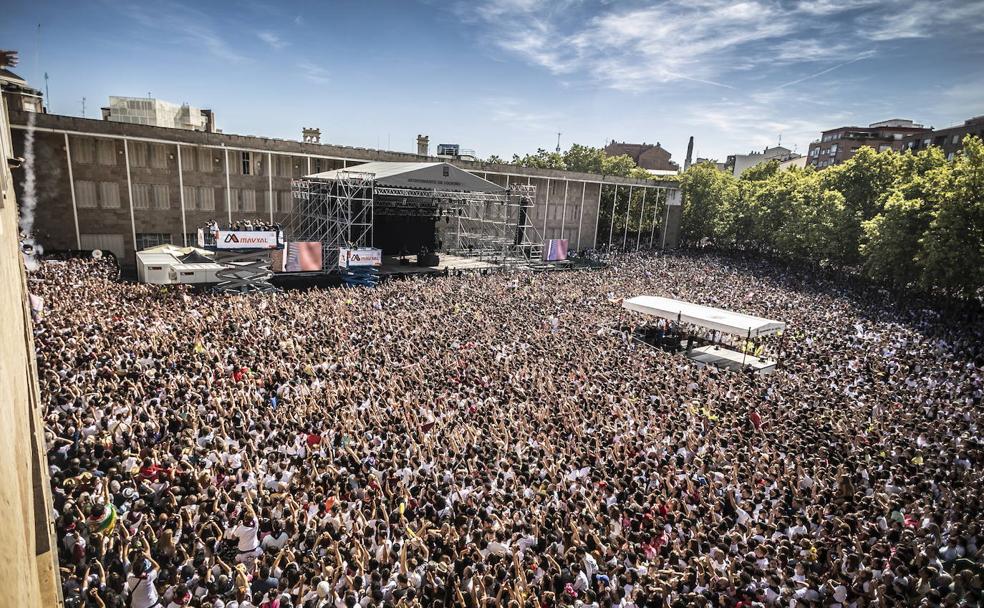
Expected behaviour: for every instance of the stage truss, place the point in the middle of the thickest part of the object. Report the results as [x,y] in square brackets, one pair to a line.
[338,212]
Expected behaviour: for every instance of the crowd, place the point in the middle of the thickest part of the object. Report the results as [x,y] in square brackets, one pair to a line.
[501,441]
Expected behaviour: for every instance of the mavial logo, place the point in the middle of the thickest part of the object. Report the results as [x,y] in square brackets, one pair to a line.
[231,238]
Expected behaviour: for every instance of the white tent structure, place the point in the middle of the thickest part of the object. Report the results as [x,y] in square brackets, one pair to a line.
[718,319]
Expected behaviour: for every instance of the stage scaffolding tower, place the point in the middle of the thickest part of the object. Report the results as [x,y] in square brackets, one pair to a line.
[499,229]
[337,212]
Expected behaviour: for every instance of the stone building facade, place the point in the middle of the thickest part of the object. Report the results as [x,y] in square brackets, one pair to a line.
[124,187]
[30,576]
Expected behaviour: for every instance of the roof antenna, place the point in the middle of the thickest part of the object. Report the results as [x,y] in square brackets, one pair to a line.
[558,142]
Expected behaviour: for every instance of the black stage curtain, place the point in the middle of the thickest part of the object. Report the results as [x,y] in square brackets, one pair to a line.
[396,234]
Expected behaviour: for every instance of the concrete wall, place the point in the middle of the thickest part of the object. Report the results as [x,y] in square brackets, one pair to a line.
[566,202]
[29,576]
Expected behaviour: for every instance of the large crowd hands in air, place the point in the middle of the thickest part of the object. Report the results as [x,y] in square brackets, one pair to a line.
[502,441]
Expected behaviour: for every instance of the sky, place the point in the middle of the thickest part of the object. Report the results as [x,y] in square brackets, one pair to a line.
[506,76]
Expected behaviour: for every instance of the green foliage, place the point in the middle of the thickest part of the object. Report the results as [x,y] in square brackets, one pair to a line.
[906,219]
[494,160]
[541,160]
[584,159]
[952,249]
[707,193]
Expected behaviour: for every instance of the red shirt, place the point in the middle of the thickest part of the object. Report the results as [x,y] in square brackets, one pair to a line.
[756,419]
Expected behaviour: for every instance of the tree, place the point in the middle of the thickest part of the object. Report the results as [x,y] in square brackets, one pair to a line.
[706,192]
[863,180]
[952,250]
[541,160]
[495,160]
[890,242]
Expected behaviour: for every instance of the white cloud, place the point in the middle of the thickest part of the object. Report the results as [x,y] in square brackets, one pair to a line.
[629,47]
[512,113]
[313,73]
[899,20]
[273,40]
[189,25]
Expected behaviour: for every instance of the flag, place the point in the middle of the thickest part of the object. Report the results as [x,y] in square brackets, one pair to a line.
[105,522]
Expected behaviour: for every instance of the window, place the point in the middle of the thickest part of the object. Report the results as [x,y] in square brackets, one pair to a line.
[138,154]
[189,193]
[104,242]
[109,195]
[158,156]
[141,196]
[927,142]
[317,165]
[956,139]
[896,136]
[833,149]
[190,239]
[162,196]
[85,194]
[249,200]
[246,163]
[106,151]
[286,202]
[146,240]
[205,161]
[206,198]
[949,156]
[884,147]
[83,149]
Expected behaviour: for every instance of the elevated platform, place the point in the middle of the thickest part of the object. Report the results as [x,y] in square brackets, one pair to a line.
[730,359]
[393,266]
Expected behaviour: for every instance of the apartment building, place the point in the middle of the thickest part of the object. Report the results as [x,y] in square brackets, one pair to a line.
[837,145]
[949,139]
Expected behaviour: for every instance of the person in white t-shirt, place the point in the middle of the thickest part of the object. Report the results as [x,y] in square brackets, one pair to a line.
[247,537]
[140,583]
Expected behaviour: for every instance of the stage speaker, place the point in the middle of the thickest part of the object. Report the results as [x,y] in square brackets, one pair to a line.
[428,259]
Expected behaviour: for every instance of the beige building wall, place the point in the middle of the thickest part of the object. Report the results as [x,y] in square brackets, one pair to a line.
[28,575]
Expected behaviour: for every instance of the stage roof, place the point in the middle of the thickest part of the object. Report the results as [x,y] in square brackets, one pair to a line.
[429,176]
[704,316]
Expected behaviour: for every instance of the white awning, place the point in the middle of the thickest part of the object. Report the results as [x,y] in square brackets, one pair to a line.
[718,319]
[426,176]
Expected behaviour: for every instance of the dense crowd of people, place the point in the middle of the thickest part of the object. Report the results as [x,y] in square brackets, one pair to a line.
[502,441]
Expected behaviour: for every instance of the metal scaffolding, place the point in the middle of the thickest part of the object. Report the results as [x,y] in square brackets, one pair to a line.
[336,212]
[339,212]
[497,228]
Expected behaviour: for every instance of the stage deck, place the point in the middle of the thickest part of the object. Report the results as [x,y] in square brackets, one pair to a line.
[730,359]
[391,265]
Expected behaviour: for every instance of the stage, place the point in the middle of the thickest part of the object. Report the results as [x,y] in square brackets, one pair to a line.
[730,359]
[393,267]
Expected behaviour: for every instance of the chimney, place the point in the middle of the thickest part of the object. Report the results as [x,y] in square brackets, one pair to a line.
[209,121]
[311,135]
[690,154]
[423,145]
